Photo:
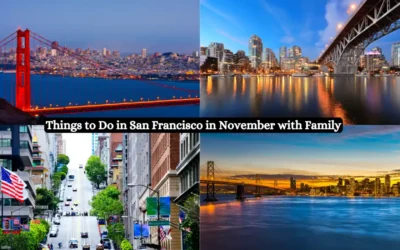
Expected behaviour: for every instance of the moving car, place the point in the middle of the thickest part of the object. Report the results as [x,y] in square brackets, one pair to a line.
[67,213]
[69,185]
[73,243]
[107,243]
[56,221]
[69,198]
[75,203]
[66,204]
[73,213]
[84,235]
[75,189]
[53,233]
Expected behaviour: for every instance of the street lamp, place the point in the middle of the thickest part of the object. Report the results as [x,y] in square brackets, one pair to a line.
[158,207]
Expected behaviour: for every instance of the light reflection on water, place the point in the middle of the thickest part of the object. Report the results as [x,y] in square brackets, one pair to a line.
[357,100]
[287,223]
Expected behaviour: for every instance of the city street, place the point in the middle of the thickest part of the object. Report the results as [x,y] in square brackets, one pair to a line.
[73,226]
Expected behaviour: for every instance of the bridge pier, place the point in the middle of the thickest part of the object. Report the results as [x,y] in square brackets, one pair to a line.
[240,192]
[344,70]
[210,196]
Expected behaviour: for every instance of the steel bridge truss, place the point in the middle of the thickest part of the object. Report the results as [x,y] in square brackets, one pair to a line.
[381,20]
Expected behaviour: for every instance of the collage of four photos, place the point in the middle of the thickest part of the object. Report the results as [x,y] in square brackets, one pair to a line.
[200,59]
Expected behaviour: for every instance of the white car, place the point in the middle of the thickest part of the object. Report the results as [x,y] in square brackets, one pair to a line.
[56,222]
[75,189]
[53,233]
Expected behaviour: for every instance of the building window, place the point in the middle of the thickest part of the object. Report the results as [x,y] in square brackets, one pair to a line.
[23,129]
[24,144]
[6,163]
[5,142]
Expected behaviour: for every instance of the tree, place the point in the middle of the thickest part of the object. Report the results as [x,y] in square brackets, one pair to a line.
[56,181]
[116,232]
[64,169]
[96,170]
[126,245]
[62,175]
[192,209]
[62,159]
[106,203]
[46,197]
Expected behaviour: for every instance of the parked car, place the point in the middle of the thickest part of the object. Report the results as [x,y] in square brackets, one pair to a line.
[75,189]
[73,213]
[66,204]
[102,221]
[56,221]
[69,198]
[84,235]
[69,185]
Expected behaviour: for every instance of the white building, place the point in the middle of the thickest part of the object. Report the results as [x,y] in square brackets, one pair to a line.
[144,53]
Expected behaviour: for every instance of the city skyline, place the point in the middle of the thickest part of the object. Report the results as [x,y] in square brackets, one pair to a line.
[358,151]
[125,26]
[309,25]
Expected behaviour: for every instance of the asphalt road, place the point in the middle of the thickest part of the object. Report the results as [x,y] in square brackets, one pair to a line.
[72,226]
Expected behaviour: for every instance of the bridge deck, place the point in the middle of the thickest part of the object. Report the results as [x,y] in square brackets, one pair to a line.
[112,106]
[229,182]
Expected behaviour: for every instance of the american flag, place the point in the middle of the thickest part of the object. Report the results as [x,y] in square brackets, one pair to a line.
[182,217]
[12,185]
[165,233]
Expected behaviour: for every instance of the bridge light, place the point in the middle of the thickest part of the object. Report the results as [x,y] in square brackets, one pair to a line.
[124,100]
[158,98]
[88,102]
[106,101]
[189,96]
[51,105]
[353,6]
[37,107]
[173,97]
[339,26]
[141,98]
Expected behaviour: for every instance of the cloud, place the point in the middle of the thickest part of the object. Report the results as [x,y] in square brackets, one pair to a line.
[232,38]
[287,39]
[335,13]
[220,14]
[359,131]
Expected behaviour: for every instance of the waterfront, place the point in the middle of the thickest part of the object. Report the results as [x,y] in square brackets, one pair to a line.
[310,223]
[357,100]
[62,91]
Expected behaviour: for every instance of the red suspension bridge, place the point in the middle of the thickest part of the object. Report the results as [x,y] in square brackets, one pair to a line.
[23,70]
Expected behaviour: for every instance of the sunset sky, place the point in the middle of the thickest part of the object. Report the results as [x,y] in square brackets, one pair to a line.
[359,150]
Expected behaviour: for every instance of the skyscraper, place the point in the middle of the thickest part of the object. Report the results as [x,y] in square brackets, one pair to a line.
[292,184]
[282,54]
[387,183]
[255,51]
[269,58]
[144,53]
[396,54]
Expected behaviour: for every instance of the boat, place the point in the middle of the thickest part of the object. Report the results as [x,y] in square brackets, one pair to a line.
[217,76]
[377,75]
[270,75]
[363,74]
[299,75]
[319,75]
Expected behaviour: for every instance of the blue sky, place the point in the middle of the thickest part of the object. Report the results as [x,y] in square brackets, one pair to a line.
[124,25]
[306,23]
[359,150]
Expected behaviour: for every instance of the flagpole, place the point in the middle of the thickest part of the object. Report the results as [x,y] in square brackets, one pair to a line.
[2,209]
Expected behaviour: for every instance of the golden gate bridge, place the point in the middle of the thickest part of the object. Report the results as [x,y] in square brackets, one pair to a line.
[23,98]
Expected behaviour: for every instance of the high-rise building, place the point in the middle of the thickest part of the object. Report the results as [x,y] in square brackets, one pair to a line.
[53,52]
[104,51]
[269,59]
[387,184]
[203,51]
[188,169]
[137,171]
[164,179]
[292,184]
[282,54]
[373,60]
[95,141]
[377,186]
[16,155]
[396,54]
[255,51]
[144,53]
[227,61]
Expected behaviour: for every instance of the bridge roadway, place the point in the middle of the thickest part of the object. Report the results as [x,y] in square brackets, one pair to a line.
[364,27]
[232,182]
[111,106]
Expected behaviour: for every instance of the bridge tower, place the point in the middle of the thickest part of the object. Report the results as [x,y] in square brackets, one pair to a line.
[258,187]
[23,70]
[210,196]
